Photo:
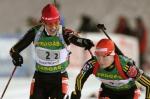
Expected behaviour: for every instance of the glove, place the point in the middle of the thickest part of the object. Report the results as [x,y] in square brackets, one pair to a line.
[88,44]
[131,70]
[68,31]
[17,59]
[71,32]
[75,95]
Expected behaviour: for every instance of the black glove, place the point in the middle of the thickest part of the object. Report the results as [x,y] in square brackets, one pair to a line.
[68,31]
[17,59]
[75,95]
[88,44]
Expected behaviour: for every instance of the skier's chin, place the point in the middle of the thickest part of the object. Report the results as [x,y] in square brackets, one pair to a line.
[53,33]
[104,66]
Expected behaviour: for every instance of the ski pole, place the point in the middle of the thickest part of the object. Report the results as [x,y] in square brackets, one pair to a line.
[103,28]
[91,53]
[8,82]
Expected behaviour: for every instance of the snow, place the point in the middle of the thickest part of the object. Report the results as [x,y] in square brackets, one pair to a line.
[19,87]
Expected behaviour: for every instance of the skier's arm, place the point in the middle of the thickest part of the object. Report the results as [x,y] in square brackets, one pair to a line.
[85,72]
[71,37]
[133,72]
[144,80]
[19,46]
[23,42]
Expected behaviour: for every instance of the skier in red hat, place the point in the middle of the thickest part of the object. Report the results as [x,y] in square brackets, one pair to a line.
[51,42]
[116,72]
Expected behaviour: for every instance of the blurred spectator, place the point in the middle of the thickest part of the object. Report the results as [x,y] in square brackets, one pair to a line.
[141,33]
[123,26]
[31,21]
[62,19]
[87,24]
[146,67]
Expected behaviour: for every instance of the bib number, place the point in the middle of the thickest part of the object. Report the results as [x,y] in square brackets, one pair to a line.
[49,56]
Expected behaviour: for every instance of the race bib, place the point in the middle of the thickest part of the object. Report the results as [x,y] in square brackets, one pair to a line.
[115,83]
[48,57]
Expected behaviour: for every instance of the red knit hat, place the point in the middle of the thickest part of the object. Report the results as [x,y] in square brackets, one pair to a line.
[50,14]
[105,47]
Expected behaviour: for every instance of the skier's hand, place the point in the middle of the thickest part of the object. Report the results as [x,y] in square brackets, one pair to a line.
[71,32]
[88,44]
[17,59]
[68,30]
[131,70]
[75,95]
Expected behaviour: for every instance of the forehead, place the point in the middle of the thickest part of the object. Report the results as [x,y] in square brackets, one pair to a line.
[106,57]
[53,22]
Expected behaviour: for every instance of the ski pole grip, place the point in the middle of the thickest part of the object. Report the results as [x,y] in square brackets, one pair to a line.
[101,26]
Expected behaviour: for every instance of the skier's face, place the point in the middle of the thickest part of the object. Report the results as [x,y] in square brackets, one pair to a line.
[105,61]
[52,28]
